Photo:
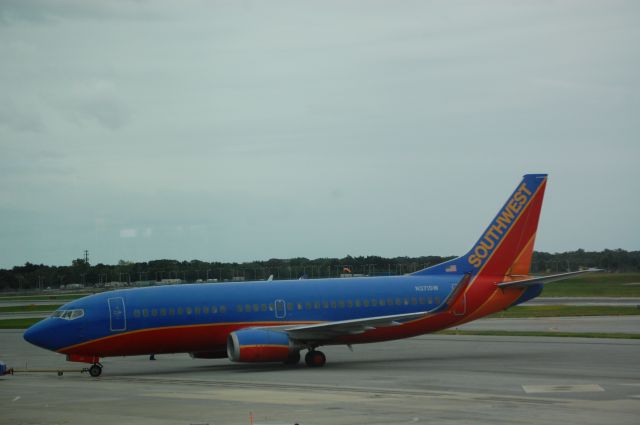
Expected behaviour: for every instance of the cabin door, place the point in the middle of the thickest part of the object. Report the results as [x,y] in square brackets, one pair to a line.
[117,315]
[281,309]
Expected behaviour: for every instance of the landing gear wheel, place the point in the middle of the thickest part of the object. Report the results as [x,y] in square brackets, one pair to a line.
[294,358]
[95,370]
[315,359]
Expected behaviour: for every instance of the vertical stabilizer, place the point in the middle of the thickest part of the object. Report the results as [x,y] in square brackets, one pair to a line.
[506,246]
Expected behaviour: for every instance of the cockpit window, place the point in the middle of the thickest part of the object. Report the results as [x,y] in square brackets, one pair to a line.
[69,314]
[77,313]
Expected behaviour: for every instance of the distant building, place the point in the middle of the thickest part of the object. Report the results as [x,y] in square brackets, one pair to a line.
[114,284]
[169,281]
[141,283]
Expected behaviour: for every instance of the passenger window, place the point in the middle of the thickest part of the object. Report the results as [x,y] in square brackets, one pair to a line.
[239,308]
[163,312]
[365,303]
[406,301]
[437,300]
[270,307]
[247,308]
[421,300]
[358,303]
[289,306]
[256,308]
[374,302]
[382,303]
[349,303]
[325,304]
[172,311]
[307,305]
[179,311]
[154,312]
[214,309]
[196,310]
[223,309]
[341,304]
[136,313]
[316,305]
[263,307]
[205,310]
[414,301]
[299,306]
[398,301]
[430,300]
[389,301]
[333,304]
[189,311]
[145,312]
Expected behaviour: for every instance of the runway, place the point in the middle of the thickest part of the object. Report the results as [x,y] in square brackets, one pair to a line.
[428,379]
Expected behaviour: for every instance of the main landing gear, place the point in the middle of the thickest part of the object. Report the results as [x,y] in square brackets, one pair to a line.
[293,358]
[315,358]
[94,370]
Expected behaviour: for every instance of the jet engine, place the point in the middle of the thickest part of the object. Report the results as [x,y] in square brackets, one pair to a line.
[218,354]
[260,345]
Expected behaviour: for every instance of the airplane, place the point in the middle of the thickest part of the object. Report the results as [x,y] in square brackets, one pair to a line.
[273,321]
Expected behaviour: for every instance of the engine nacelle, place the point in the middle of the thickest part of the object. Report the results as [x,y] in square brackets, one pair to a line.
[259,345]
[218,354]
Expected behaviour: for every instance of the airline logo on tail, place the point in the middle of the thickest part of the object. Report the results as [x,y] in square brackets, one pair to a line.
[500,225]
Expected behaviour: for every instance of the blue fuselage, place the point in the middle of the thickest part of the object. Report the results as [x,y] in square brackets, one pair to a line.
[251,304]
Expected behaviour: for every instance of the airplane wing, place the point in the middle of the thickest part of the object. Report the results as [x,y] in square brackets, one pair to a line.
[330,330]
[544,279]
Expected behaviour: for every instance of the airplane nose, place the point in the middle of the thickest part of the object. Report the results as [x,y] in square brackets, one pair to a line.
[38,334]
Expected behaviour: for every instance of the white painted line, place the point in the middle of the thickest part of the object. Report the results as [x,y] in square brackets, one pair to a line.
[580,388]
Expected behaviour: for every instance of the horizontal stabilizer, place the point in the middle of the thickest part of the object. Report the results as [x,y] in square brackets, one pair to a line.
[544,279]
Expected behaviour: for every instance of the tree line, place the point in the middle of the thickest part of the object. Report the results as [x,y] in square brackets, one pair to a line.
[39,276]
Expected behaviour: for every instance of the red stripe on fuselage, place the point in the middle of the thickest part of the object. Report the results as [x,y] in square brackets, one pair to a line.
[174,339]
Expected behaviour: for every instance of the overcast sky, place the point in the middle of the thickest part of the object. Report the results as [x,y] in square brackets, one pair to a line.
[235,131]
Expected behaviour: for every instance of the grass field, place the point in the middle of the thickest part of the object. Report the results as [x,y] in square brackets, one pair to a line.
[51,297]
[596,285]
[18,323]
[28,308]
[566,311]
[542,333]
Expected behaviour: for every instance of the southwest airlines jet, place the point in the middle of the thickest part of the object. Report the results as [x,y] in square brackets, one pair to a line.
[272,321]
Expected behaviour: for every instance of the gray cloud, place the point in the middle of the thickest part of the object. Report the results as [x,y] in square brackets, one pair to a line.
[20,118]
[96,100]
[235,131]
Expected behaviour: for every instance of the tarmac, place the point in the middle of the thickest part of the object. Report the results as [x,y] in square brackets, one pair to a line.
[443,379]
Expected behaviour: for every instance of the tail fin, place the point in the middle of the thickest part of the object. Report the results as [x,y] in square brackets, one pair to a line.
[506,246]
